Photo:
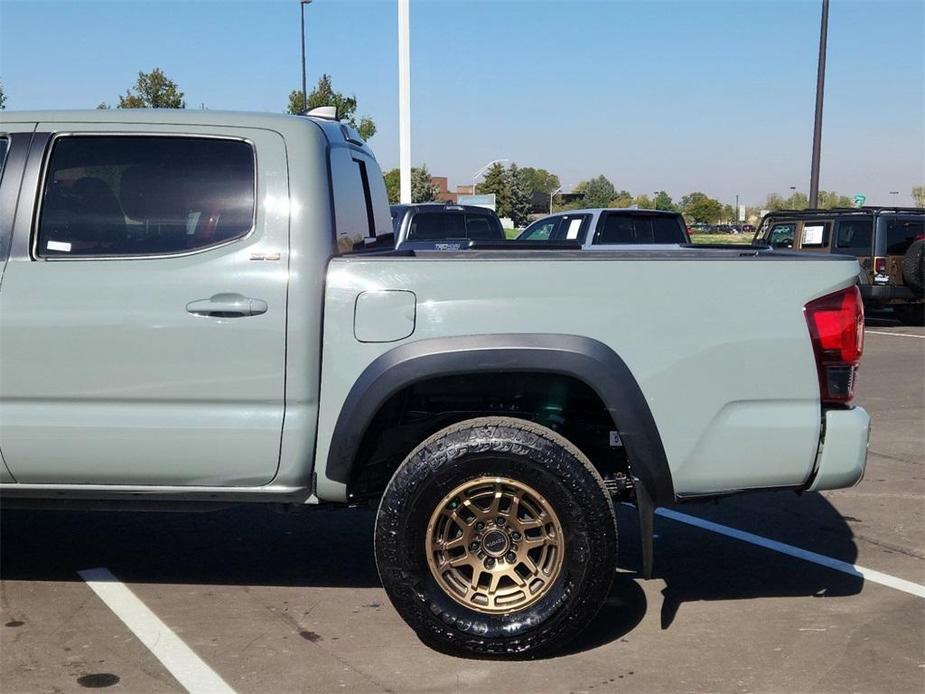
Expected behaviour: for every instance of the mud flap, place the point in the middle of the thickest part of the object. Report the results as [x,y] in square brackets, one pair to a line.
[646,509]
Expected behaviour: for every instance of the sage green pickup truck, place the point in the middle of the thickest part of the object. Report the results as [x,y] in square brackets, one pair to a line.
[195,308]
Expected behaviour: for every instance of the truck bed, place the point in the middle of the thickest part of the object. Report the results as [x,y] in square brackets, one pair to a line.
[715,337]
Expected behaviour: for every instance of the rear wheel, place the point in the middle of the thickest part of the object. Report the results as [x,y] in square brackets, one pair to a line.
[914,266]
[496,537]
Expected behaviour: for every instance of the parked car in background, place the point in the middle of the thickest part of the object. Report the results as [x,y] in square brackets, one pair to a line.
[889,243]
[603,228]
[443,226]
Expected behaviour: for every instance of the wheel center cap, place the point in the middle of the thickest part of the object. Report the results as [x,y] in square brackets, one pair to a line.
[495,543]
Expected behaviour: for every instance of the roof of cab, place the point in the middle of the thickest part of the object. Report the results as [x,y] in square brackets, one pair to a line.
[282,123]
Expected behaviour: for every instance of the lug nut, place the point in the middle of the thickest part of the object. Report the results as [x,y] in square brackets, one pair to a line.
[511,557]
[489,563]
[501,521]
[515,536]
[473,546]
[480,526]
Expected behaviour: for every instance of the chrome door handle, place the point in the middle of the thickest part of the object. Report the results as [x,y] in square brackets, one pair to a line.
[227,306]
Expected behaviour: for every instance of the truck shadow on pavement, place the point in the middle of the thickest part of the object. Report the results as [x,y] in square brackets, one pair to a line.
[699,565]
[253,546]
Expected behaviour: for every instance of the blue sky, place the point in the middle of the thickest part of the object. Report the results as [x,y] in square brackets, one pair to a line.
[711,96]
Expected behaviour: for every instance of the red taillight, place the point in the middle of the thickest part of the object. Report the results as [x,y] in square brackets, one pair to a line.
[836,326]
[880,266]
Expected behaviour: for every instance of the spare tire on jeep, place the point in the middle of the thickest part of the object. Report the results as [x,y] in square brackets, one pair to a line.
[914,266]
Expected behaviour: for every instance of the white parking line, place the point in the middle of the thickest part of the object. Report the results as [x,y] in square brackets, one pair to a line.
[187,667]
[882,332]
[805,555]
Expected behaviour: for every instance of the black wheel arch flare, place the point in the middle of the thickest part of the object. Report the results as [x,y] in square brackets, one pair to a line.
[583,358]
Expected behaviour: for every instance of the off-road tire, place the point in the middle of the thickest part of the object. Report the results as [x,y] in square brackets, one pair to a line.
[525,452]
[914,266]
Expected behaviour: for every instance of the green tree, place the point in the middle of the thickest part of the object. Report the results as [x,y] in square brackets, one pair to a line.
[422,189]
[829,199]
[2,98]
[597,192]
[497,181]
[796,201]
[324,95]
[644,202]
[663,201]
[539,180]
[699,207]
[393,185]
[622,198]
[918,195]
[152,90]
[521,196]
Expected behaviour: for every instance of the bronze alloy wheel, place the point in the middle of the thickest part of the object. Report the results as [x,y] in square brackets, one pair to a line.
[494,545]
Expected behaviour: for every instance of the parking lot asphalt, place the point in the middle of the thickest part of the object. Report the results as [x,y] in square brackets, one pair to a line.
[272,602]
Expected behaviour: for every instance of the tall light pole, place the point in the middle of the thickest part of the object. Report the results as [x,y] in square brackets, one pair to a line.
[817,123]
[482,170]
[552,195]
[404,101]
[894,193]
[302,4]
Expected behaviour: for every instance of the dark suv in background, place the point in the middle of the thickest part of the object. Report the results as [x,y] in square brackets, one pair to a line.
[429,225]
[889,243]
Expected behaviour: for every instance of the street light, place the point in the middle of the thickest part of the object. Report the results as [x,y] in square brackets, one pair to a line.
[552,195]
[485,168]
[302,4]
[404,101]
[894,193]
[817,122]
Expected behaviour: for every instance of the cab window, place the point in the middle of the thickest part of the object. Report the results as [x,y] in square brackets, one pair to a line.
[541,230]
[855,236]
[815,234]
[781,235]
[129,196]
[624,228]
[427,226]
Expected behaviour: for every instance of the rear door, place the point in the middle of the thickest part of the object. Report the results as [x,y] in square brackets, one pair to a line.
[142,344]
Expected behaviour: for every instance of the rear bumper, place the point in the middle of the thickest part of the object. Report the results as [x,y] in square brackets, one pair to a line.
[843,455]
[884,293]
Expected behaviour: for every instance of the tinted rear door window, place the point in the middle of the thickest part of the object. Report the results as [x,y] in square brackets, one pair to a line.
[137,196]
[901,233]
[855,236]
[638,229]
